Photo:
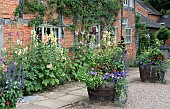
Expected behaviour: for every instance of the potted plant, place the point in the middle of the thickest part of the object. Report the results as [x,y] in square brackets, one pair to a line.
[150,66]
[103,72]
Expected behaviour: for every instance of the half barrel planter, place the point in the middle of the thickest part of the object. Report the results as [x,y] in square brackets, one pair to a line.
[148,73]
[105,92]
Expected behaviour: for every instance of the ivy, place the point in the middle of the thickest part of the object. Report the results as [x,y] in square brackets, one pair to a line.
[84,12]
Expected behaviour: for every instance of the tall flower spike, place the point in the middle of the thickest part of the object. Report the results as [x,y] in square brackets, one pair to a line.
[13,74]
[8,76]
[19,73]
[23,77]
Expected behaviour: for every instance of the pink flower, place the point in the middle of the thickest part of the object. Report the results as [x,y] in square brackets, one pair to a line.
[61,40]
[7,103]
[103,67]
[4,70]
[12,18]
[3,59]
[84,51]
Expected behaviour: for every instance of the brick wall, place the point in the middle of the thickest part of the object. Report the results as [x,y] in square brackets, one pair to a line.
[141,10]
[131,48]
[7,8]
[16,32]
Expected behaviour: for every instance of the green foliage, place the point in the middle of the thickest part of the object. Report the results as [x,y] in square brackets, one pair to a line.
[32,6]
[154,57]
[121,92]
[95,66]
[84,12]
[44,63]
[142,31]
[11,84]
[163,4]
[163,34]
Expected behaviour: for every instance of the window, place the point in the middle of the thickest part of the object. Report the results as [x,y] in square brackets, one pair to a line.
[131,3]
[96,31]
[125,2]
[125,21]
[113,35]
[57,31]
[128,35]
[1,40]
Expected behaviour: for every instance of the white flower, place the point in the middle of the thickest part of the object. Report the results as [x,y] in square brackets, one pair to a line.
[19,42]
[4,49]
[33,32]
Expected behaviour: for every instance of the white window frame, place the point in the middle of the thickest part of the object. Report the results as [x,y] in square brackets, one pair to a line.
[98,33]
[1,40]
[128,35]
[125,2]
[131,3]
[51,27]
[125,21]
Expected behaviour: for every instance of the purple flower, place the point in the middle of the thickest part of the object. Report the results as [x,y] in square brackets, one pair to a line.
[91,45]
[140,62]
[149,63]
[92,68]
[93,73]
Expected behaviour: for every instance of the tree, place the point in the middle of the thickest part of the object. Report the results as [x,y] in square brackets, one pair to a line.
[163,34]
[162,7]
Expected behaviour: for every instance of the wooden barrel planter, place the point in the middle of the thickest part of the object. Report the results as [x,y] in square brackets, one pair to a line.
[148,73]
[103,93]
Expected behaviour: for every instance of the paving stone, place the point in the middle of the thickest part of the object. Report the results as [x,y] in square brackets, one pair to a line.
[81,92]
[72,98]
[32,98]
[32,106]
[54,94]
[69,89]
[52,103]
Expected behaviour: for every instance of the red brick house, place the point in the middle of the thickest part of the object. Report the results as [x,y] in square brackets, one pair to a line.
[124,26]
[151,17]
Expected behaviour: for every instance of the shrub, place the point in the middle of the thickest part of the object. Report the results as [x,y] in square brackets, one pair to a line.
[44,63]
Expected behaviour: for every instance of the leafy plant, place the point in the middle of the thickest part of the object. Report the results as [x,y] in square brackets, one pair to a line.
[163,34]
[44,63]
[155,57]
[11,85]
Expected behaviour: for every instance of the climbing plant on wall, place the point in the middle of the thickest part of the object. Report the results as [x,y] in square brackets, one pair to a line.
[83,12]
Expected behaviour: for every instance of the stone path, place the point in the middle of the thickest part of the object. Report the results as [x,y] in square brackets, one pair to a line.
[142,95]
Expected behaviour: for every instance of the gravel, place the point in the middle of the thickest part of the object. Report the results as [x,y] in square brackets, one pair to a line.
[142,95]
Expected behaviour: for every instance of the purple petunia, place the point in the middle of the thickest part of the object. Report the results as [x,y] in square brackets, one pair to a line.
[140,62]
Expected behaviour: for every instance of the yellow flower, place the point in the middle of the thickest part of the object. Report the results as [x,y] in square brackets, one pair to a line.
[45,39]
